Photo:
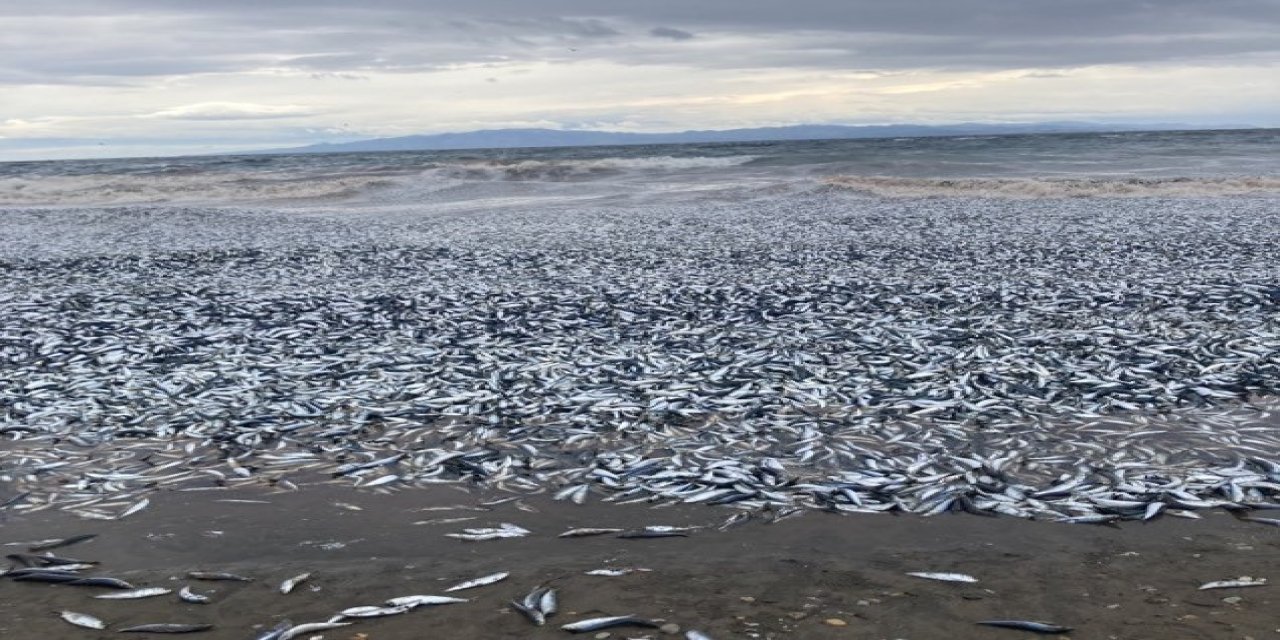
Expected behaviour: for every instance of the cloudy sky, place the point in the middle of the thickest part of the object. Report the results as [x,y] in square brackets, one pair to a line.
[133,77]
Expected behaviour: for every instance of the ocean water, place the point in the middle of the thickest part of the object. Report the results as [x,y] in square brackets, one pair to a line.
[1168,164]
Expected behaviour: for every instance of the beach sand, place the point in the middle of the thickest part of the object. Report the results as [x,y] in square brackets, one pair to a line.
[797,578]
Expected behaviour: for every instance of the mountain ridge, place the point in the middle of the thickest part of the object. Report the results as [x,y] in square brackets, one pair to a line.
[543,137]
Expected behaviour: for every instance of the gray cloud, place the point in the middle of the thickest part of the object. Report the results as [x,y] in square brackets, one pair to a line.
[670,33]
[87,41]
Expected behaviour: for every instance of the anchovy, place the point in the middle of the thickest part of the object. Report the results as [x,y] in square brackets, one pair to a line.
[83,620]
[581,533]
[1027,625]
[944,577]
[135,594]
[422,601]
[596,624]
[310,627]
[65,542]
[187,595]
[479,582]
[288,585]
[167,628]
[217,575]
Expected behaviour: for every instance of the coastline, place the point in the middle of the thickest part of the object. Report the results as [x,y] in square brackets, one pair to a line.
[790,579]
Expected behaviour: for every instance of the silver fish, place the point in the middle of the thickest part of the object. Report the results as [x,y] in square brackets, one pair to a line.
[480,582]
[148,592]
[83,620]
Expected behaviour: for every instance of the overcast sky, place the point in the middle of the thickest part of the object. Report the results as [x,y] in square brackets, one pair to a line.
[128,77]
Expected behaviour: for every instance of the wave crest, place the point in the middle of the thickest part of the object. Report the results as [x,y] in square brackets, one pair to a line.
[1058,187]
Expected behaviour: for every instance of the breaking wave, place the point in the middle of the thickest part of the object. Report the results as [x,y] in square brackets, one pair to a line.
[581,169]
[329,183]
[1058,187]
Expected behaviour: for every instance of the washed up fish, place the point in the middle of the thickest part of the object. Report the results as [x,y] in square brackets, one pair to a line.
[656,532]
[310,627]
[100,581]
[1275,522]
[1242,581]
[372,612]
[538,605]
[505,530]
[135,594]
[582,533]
[217,575]
[1027,625]
[614,572]
[63,542]
[288,585]
[479,582]
[136,507]
[42,575]
[189,596]
[944,577]
[422,601]
[596,624]
[696,635]
[167,628]
[276,632]
[83,620]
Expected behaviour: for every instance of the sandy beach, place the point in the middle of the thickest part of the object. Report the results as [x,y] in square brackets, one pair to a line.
[815,575]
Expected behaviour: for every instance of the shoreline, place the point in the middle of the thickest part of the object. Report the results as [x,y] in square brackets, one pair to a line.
[793,578]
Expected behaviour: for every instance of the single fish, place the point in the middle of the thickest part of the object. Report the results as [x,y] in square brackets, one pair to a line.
[310,627]
[288,585]
[148,592]
[167,628]
[595,624]
[83,620]
[100,581]
[582,533]
[187,595]
[138,506]
[422,601]
[372,612]
[479,582]
[62,542]
[1242,581]
[217,575]
[274,633]
[944,577]
[614,573]
[696,635]
[1027,625]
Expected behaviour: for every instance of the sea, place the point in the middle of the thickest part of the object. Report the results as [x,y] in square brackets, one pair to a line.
[1125,164]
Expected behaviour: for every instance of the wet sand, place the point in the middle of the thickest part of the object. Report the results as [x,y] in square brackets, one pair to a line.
[790,579]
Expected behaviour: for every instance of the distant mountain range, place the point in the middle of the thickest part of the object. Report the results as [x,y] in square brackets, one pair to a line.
[514,138]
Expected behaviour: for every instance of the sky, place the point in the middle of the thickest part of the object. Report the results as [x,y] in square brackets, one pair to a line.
[102,78]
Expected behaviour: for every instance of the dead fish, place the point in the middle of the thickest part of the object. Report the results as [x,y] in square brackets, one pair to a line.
[532,613]
[167,628]
[148,592]
[288,585]
[83,620]
[1242,581]
[943,577]
[582,533]
[422,601]
[310,627]
[63,542]
[187,595]
[653,533]
[138,506]
[372,612]
[614,573]
[1275,522]
[100,581]
[217,575]
[274,633]
[696,635]
[1027,625]
[479,582]
[595,624]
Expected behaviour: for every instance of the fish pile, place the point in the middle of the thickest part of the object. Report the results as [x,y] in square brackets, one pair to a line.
[1075,360]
